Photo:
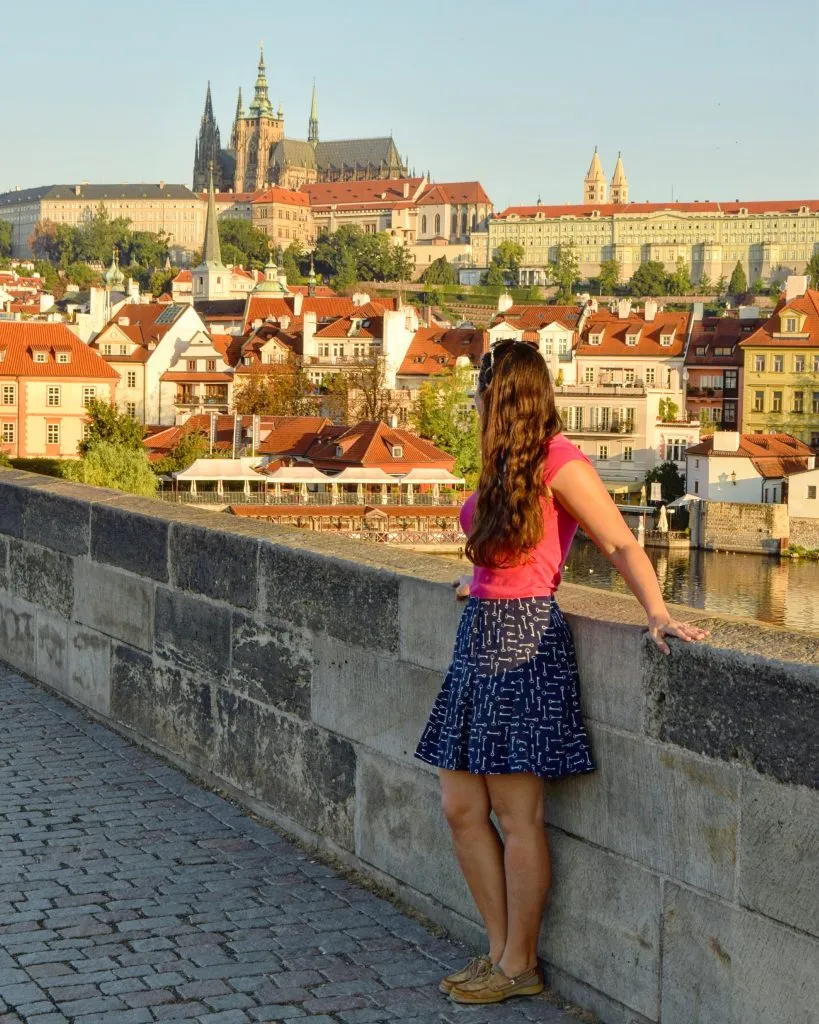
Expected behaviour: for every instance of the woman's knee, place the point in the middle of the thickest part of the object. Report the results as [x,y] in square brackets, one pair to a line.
[464,808]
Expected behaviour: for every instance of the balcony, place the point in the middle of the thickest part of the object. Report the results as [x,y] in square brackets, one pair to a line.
[340,361]
[624,430]
[606,390]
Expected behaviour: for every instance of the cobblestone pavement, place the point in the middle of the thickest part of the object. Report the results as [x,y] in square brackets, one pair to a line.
[129,895]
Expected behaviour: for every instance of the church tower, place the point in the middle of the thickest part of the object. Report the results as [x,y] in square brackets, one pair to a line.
[619,183]
[255,135]
[211,279]
[594,187]
[208,149]
[240,113]
[312,129]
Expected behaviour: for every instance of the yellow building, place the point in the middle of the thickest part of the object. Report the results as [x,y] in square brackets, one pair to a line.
[171,209]
[285,217]
[769,239]
[781,376]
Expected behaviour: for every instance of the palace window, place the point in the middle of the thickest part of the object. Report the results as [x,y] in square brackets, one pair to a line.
[87,395]
[54,395]
[589,375]
[815,403]
[130,409]
[602,452]
[131,378]
[8,433]
[191,364]
[63,357]
[650,376]
[437,223]
[10,394]
[811,490]
[53,433]
[675,451]
[628,453]
[40,357]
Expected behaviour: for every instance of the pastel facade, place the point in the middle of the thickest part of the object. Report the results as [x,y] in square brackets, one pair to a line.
[749,468]
[47,378]
[284,215]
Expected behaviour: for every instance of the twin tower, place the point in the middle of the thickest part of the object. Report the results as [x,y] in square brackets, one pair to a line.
[595,187]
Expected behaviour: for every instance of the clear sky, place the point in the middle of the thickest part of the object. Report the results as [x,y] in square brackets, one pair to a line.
[713,99]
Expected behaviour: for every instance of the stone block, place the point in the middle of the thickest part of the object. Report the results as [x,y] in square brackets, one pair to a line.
[350,601]
[609,660]
[14,488]
[667,809]
[370,698]
[192,632]
[220,565]
[713,701]
[273,666]
[42,577]
[138,543]
[400,829]
[429,615]
[89,668]
[729,966]
[603,924]
[17,632]
[115,603]
[167,704]
[297,769]
[51,653]
[55,519]
[4,563]
[779,852]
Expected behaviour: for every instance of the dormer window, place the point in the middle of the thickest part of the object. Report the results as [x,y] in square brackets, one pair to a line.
[790,325]
[632,339]
[40,356]
[339,451]
[107,350]
[63,357]
[397,451]
[666,340]
[596,339]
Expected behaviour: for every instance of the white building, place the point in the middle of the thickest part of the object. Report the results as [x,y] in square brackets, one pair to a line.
[750,468]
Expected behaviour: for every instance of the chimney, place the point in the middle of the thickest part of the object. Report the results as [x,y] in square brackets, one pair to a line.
[624,309]
[162,185]
[651,310]
[795,286]
[698,311]
[298,302]
[308,334]
[726,441]
[78,190]
[406,190]
[505,300]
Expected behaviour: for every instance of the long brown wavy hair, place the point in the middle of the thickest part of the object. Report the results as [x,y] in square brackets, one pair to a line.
[519,417]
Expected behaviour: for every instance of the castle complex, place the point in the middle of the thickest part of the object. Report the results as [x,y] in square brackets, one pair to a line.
[259,153]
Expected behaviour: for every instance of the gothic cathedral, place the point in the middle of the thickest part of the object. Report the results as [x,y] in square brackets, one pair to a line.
[260,155]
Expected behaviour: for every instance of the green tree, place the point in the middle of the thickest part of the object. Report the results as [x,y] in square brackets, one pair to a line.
[671,481]
[82,275]
[495,277]
[669,410]
[609,276]
[160,281]
[249,245]
[440,271]
[369,398]
[679,283]
[721,286]
[192,445]
[738,285]
[444,415]
[95,240]
[403,263]
[278,389]
[109,464]
[5,460]
[292,259]
[563,272]
[508,255]
[5,238]
[145,248]
[704,285]
[812,270]
[648,279]
[108,424]
[759,287]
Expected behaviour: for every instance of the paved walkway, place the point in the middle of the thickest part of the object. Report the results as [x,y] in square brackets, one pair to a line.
[130,895]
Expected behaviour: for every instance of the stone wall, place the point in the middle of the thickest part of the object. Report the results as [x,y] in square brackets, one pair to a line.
[295,671]
[804,532]
[735,526]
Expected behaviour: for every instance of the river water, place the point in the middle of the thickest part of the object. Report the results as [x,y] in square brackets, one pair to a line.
[784,591]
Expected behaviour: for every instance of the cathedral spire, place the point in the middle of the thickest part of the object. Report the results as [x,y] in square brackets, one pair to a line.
[240,113]
[594,186]
[619,183]
[311,280]
[208,148]
[240,109]
[261,105]
[211,250]
[313,131]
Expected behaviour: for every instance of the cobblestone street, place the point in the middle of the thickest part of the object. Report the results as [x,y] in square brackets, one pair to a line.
[130,895]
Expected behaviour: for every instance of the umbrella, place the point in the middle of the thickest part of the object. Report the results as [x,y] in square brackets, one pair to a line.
[662,521]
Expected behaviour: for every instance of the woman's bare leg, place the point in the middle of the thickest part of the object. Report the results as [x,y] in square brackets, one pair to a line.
[479,850]
[518,801]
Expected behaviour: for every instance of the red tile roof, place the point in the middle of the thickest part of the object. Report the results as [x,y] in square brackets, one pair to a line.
[759,447]
[277,194]
[380,191]
[259,307]
[455,192]
[807,304]
[620,209]
[183,277]
[18,338]
[437,349]
[615,331]
[323,291]
[143,321]
[533,318]
[291,435]
[370,444]
[718,332]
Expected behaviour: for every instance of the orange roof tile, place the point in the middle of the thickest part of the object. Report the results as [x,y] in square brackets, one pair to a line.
[437,349]
[621,209]
[370,444]
[758,446]
[455,192]
[277,194]
[383,191]
[807,304]
[18,339]
[615,330]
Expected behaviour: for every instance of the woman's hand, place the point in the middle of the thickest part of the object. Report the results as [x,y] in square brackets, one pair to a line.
[461,586]
[661,626]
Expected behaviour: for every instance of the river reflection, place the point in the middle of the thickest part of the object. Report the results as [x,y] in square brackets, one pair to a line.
[783,591]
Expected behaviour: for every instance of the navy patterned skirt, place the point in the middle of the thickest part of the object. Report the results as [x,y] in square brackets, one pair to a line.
[510,700]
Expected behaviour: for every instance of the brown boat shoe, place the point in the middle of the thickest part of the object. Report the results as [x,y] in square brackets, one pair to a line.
[477,967]
[494,986]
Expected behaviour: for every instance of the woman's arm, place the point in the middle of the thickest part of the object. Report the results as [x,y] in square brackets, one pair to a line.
[580,491]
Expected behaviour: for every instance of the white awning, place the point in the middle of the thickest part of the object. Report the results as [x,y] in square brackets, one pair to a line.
[433,475]
[220,469]
[362,475]
[298,475]
[686,499]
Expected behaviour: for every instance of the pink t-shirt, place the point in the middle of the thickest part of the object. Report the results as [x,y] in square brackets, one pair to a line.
[539,574]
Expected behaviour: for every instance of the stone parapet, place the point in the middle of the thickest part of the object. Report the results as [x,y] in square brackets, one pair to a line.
[295,671]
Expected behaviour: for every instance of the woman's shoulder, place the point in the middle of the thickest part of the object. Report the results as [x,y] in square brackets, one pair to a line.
[559,451]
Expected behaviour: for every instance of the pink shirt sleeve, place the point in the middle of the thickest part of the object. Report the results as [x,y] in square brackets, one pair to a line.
[560,450]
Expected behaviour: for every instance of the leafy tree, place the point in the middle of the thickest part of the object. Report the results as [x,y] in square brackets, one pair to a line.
[609,276]
[671,480]
[5,238]
[440,271]
[563,272]
[244,244]
[668,410]
[96,239]
[738,285]
[403,263]
[679,283]
[444,415]
[49,276]
[146,249]
[648,279]
[110,425]
[759,287]
[812,270]
[508,255]
[108,464]
[292,259]
[5,460]
[494,277]
[278,389]
[82,275]
[191,446]
[721,286]
[161,281]
[369,396]
[704,285]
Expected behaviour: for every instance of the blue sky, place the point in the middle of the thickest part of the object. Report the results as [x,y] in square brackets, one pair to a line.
[713,100]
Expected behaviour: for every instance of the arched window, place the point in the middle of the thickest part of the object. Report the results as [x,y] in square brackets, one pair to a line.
[474,222]
[454,230]
[437,223]
[424,224]
[463,222]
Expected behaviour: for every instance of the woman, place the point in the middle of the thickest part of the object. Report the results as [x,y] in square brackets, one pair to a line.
[508,715]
